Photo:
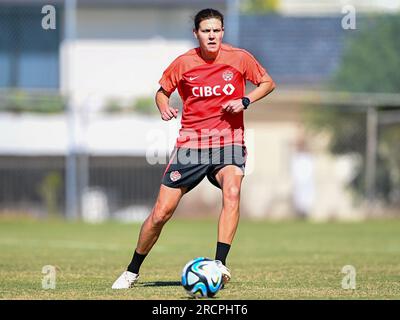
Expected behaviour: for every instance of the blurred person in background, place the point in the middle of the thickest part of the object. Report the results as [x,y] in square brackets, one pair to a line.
[302,170]
[211,82]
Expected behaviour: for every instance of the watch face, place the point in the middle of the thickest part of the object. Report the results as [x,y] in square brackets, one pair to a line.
[245,102]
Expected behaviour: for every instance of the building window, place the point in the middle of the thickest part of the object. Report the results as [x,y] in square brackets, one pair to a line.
[29,55]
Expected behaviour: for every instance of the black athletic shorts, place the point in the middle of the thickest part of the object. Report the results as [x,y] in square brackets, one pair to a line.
[188,167]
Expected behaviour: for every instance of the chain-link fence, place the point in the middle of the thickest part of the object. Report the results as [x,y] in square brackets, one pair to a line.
[35,184]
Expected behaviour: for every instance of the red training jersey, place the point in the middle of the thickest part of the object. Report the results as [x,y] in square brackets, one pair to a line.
[204,86]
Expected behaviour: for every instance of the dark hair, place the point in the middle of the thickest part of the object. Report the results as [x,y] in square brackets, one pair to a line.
[207,14]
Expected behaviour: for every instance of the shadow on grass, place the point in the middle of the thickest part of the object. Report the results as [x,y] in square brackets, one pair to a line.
[169,284]
[159,284]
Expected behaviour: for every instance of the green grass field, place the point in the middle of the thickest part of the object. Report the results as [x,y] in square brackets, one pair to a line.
[285,260]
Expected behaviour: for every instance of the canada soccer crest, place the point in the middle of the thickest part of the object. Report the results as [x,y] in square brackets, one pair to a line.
[227,75]
[175,176]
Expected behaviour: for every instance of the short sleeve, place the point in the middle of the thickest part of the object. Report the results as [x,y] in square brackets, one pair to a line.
[171,76]
[253,70]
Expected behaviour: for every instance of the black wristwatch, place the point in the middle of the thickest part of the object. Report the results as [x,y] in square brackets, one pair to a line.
[245,102]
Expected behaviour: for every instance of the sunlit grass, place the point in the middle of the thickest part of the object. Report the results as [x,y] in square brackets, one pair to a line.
[286,260]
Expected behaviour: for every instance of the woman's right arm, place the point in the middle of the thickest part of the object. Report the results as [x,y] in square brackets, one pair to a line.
[162,101]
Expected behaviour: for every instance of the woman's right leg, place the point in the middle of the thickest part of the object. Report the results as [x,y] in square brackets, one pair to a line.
[167,201]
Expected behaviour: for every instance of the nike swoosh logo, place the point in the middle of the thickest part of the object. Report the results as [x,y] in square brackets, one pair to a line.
[192,78]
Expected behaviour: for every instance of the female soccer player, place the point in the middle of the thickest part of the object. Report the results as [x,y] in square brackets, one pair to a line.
[211,82]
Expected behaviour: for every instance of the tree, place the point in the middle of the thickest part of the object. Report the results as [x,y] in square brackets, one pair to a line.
[371,61]
[259,6]
[370,64]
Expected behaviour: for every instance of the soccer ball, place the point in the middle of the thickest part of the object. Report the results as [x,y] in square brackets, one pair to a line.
[201,278]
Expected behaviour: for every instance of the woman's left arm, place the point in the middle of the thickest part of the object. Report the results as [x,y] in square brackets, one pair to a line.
[266,86]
